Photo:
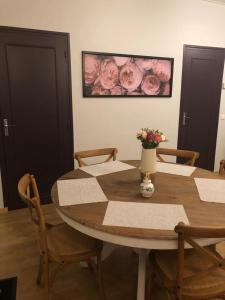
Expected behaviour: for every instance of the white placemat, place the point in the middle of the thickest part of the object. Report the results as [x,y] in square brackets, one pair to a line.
[79,191]
[144,215]
[211,190]
[174,169]
[106,168]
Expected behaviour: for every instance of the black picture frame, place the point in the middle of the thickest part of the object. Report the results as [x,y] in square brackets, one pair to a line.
[126,75]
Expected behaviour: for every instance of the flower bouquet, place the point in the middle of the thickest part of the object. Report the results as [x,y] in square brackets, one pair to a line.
[150,140]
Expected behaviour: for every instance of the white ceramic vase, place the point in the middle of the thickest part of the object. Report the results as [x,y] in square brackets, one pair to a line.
[147,188]
[148,161]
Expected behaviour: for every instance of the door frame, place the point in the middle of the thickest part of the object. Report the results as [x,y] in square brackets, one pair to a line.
[66,36]
[182,95]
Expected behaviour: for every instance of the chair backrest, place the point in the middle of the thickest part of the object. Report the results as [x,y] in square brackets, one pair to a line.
[111,152]
[189,156]
[222,167]
[28,192]
[187,234]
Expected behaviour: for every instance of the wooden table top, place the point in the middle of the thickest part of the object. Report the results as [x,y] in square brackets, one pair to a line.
[124,186]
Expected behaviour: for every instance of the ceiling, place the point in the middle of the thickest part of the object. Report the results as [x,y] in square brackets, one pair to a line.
[216,1]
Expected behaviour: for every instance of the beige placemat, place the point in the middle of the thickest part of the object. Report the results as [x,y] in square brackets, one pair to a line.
[174,169]
[211,190]
[106,168]
[144,215]
[79,191]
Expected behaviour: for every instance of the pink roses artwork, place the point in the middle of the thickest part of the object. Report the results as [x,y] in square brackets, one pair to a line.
[106,74]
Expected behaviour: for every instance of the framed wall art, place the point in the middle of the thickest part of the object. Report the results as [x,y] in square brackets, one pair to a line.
[123,75]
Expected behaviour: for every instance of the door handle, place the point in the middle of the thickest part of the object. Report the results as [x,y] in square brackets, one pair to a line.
[184,118]
[6,127]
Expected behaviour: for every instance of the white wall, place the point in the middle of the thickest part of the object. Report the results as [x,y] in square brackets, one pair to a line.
[220,146]
[144,27]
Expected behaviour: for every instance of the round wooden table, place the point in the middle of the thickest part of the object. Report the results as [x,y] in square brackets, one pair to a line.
[124,186]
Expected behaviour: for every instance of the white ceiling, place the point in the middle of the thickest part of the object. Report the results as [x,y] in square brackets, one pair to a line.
[216,1]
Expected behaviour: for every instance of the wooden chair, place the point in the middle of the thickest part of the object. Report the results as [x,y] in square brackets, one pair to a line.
[60,244]
[111,152]
[50,220]
[222,167]
[197,273]
[190,156]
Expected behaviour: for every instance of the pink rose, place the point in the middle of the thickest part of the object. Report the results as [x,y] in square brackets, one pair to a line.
[163,70]
[109,74]
[91,68]
[163,138]
[99,90]
[144,134]
[134,93]
[146,64]
[166,89]
[150,136]
[151,85]
[130,76]
[117,90]
[158,138]
[120,60]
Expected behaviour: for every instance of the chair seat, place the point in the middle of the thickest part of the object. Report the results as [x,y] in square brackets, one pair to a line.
[52,220]
[65,243]
[210,283]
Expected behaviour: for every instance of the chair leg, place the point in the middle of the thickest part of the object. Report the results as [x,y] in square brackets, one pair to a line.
[99,276]
[54,272]
[40,270]
[46,274]
[92,265]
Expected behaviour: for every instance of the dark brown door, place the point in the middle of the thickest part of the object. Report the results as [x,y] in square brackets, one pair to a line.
[200,101]
[35,109]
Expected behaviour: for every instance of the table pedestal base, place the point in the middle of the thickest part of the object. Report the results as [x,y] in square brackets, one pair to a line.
[108,248]
[142,261]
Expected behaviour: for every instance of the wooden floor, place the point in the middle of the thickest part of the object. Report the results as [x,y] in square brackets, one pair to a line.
[19,257]
[19,253]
